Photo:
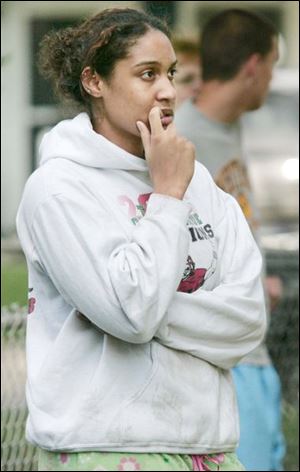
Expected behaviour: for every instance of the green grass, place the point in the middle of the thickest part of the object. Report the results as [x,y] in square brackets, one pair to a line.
[14,287]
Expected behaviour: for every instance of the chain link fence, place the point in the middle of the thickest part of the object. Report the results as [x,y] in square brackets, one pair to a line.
[16,453]
[283,333]
[282,340]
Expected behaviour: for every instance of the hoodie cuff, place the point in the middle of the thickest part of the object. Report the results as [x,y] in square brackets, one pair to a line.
[158,203]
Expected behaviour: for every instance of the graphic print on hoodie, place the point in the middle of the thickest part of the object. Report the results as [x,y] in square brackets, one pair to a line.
[193,277]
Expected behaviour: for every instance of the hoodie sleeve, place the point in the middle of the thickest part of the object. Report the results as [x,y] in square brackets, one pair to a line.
[122,285]
[223,325]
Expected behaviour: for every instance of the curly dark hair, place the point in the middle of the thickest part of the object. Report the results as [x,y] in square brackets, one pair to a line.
[99,42]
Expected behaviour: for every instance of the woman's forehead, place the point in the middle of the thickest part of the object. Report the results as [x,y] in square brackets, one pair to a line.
[153,47]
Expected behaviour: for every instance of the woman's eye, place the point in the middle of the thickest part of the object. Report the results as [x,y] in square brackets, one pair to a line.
[172,73]
[148,74]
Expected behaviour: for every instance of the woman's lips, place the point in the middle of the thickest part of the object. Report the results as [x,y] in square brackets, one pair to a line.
[166,120]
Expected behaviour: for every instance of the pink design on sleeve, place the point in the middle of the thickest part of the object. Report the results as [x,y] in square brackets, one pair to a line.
[124,200]
[143,199]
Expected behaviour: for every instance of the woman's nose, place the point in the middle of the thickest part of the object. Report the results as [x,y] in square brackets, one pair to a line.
[166,90]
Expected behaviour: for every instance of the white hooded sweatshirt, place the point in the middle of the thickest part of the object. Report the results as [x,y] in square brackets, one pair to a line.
[139,303]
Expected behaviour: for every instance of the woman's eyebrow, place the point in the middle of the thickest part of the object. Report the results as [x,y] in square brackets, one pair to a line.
[153,63]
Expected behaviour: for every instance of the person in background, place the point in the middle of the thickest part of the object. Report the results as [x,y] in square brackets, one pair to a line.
[188,76]
[144,278]
[238,51]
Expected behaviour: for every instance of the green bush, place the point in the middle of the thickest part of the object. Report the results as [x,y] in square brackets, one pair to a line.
[14,287]
[290,426]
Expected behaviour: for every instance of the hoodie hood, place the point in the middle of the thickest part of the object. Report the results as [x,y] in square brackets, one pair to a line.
[76,140]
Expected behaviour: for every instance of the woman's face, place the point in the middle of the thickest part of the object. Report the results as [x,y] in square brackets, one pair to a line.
[139,82]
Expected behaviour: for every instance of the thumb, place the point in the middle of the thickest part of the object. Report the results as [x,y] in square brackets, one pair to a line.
[145,135]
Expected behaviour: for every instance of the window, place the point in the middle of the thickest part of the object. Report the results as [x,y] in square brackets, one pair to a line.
[45,110]
[271,144]
[41,92]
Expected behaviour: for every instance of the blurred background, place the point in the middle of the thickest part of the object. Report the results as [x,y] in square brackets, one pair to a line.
[271,143]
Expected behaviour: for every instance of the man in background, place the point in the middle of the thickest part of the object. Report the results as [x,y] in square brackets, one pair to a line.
[238,51]
[188,77]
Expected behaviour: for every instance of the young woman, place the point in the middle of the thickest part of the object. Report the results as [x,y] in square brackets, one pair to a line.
[144,279]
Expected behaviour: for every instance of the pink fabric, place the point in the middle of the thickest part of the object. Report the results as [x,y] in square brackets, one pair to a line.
[199,464]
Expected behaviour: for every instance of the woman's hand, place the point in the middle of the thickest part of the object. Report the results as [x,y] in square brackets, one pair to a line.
[171,158]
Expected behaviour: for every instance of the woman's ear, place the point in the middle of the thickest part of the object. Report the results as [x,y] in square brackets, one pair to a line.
[91,82]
